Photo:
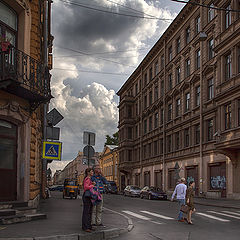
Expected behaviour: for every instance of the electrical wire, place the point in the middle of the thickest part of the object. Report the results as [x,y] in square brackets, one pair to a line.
[86,71]
[206,6]
[115,13]
[100,58]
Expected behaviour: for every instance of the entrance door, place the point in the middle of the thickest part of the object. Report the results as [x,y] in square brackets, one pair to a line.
[8,156]
[192,175]
[158,179]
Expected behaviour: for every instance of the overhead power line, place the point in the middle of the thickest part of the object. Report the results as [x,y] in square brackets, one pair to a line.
[86,71]
[206,6]
[104,59]
[115,13]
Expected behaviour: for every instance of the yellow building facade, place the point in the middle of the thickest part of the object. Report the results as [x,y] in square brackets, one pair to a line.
[109,161]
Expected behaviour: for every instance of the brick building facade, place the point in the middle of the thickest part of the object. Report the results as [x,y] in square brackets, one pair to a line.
[179,112]
[24,87]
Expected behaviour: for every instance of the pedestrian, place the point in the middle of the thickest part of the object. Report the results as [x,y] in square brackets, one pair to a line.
[87,203]
[180,190]
[189,201]
[99,181]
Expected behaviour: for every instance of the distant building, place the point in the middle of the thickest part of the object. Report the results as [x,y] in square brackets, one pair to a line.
[109,163]
[179,112]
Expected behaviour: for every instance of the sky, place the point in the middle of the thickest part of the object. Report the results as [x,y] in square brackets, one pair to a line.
[94,53]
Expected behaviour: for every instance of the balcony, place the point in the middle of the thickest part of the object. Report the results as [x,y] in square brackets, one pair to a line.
[24,77]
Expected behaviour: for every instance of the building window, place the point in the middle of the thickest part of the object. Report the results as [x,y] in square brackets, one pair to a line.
[149,149]
[228,66]
[210,129]
[136,131]
[156,93]
[155,148]
[161,146]
[197,24]
[178,45]
[197,134]
[187,65]
[136,89]
[170,54]
[178,75]
[170,85]
[210,12]
[210,49]
[228,20]
[162,62]
[129,133]
[178,107]
[145,79]
[156,68]
[150,123]
[177,141]
[169,112]
[238,59]
[210,89]
[129,112]
[187,102]
[239,112]
[186,137]
[169,143]
[145,101]
[188,35]
[150,74]
[198,96]
[228,116]
[145,126]
[198,56]
[156,120]
[136,108]
[150,98]
[129,155]
[162,116]
[162,88]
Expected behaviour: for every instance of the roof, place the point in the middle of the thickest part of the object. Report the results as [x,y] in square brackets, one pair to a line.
[111,147]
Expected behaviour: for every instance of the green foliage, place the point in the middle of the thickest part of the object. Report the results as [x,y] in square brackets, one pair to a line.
[112,140]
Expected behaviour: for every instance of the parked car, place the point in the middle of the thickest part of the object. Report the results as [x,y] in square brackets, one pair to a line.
[111,187]
[152,193]
[56,188]
[132,191]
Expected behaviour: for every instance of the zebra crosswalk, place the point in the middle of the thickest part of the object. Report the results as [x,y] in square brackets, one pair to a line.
[159,218]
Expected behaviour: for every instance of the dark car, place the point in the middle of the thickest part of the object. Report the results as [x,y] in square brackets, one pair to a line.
[111,187]
[56,188]
[153,193]
[132,191]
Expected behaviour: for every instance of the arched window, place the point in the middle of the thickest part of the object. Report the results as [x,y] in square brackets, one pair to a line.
[8,24]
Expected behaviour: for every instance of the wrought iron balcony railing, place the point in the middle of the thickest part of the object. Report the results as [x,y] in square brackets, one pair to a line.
[23,76]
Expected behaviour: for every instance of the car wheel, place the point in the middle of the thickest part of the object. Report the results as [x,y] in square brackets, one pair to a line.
[149,197]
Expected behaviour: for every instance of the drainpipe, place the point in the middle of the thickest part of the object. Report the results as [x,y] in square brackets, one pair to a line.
[45,107]
[141,130]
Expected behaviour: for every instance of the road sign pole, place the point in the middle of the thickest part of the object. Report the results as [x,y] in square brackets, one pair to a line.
[88,148]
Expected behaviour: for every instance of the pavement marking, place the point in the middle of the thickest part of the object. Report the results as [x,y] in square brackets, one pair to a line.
[234,213]
[213,217]
[137,215]
[157,215]
[1,228]
[156,222]
[224,214]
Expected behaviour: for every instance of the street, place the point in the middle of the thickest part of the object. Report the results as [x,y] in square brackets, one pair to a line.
[157,220]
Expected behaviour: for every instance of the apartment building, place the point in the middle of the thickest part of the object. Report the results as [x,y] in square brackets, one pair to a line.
[24,87]
[179,112]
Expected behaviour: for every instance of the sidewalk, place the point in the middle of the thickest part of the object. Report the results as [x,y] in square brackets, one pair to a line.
[64,222]
[224,203]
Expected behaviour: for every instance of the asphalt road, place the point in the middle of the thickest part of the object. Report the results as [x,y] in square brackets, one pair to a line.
[154,219]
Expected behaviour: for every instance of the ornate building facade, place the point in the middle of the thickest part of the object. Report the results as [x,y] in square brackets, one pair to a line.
[179,112]
[24,87]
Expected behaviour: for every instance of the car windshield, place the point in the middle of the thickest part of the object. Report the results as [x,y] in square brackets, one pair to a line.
[135,188]
[71,183]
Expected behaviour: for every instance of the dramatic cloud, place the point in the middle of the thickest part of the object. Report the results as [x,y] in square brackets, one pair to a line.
[89,41]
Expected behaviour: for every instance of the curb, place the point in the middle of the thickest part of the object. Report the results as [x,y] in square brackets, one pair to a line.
[99,235]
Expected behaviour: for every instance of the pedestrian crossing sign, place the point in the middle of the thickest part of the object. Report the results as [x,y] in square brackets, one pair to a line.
[52,150]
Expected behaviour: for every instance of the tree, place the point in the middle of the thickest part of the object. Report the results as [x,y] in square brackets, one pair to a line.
[112,140]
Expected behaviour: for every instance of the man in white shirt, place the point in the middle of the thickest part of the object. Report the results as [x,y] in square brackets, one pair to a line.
[180,190]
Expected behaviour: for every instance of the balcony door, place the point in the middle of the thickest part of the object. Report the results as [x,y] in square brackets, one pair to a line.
[8,161]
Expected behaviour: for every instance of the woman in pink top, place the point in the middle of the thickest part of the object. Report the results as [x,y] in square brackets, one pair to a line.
[87,203]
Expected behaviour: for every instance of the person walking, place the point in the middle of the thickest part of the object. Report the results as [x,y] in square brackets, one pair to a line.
[99,181]
[180,190]
[189,201]
[87,203]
